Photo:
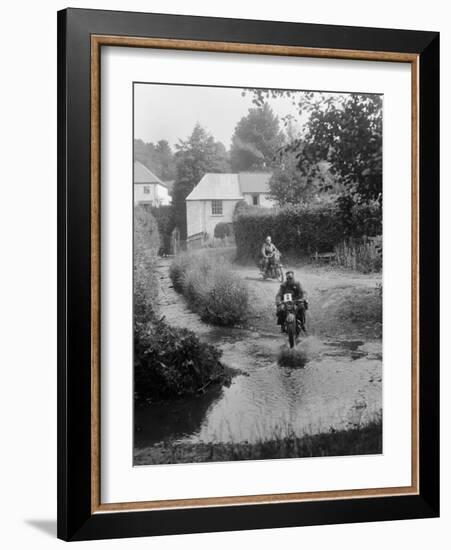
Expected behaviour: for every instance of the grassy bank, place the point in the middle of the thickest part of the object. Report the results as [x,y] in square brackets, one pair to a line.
[360,440]
[169,362]
[212,290]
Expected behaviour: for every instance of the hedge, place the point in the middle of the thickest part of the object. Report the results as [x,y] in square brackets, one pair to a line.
[145,247]
[303,229]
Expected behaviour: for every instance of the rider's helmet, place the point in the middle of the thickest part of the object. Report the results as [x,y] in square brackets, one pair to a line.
[268,240]
[289,276]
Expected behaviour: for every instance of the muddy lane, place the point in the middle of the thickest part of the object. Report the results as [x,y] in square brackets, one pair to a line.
[342,378]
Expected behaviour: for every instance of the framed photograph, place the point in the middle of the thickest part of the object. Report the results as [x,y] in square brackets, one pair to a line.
[248,274]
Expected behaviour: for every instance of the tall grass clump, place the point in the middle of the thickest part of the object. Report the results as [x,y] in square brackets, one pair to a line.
[364,256]
[177,270]
[210,287]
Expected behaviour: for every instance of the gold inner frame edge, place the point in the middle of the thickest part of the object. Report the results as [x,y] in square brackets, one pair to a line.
[97,41]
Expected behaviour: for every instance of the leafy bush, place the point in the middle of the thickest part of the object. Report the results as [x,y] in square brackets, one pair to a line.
[217,294]
[165,217]
[170,362]
[222,230]
[302,229]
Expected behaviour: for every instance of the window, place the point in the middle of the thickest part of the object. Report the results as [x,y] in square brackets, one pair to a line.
[216,208]
[146,190]
[255,200]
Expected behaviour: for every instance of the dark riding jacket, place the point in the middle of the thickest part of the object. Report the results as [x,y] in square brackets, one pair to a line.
[294,288]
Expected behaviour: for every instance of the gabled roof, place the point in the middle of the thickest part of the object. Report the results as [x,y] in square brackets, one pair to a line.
[216,187]
[254,182]
[229,186]
[141,174]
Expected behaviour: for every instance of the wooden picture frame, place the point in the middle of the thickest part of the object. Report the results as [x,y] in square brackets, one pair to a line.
[81,35]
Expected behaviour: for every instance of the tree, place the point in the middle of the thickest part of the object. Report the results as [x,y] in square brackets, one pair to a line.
[222,230]
[158,158]
[143,152]
[288,185]
[256,140]
[347,132]
[344,130]
[165,160]
[195,157]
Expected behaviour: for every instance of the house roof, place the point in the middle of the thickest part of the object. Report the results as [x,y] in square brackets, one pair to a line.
[254,182]
[141,174]
[229,186]
[216,187]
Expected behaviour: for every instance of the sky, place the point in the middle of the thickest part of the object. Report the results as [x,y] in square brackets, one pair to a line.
[170,112]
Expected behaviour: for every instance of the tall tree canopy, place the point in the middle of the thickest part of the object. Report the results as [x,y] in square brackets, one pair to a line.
[347,132]
[158,157]
[166,161]
[289,185]
[344,130]
[256,140]
[196,156]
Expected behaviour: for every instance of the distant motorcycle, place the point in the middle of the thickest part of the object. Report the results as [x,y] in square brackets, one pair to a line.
[294,317]
[273,269]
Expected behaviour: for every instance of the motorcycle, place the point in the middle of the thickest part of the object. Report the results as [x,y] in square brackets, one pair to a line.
[294,317]
[273,269]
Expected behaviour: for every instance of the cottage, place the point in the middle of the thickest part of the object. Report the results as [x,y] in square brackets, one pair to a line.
[214,198]
[255,188]
[148,188]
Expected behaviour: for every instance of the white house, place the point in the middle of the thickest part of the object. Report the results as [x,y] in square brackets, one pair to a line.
[254,187]
[148,188]
[214,198]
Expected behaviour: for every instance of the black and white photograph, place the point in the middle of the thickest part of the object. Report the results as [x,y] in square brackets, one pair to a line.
[257,273]
[225,307]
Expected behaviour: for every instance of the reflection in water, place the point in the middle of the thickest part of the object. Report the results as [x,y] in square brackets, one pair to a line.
[176,419]
[272,400]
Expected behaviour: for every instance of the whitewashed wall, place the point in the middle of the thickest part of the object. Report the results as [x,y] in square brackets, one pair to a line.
[263,200]
[158,194]
[200,219]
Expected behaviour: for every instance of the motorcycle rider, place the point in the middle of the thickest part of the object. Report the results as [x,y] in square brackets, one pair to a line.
[268,252]
[293,287]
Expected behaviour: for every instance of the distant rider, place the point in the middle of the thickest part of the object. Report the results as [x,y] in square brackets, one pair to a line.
[268,252]
[290,286]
